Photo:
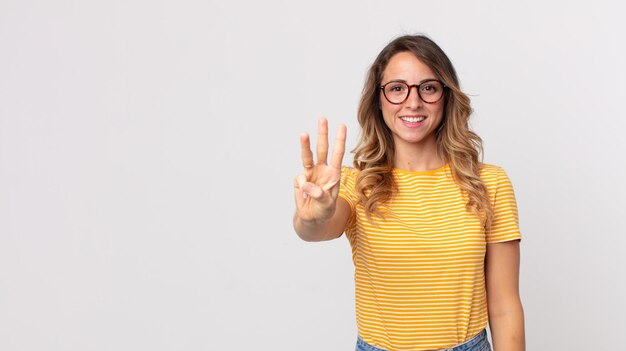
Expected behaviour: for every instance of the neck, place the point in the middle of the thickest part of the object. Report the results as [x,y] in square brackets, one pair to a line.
[417,157]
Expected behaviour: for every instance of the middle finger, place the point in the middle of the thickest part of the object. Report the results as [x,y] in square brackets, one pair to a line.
[322,141]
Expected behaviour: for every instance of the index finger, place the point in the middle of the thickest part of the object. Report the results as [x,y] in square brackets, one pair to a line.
[340,146]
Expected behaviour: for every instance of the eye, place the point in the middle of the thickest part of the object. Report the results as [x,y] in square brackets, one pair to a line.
[430,87]
[396,88]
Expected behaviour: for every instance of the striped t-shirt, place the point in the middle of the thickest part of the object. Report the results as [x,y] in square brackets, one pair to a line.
[419,272]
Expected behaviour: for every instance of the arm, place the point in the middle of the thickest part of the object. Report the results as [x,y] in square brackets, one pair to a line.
[320,213]
[506,316]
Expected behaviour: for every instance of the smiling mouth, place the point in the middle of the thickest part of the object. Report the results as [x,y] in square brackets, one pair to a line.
[412,119]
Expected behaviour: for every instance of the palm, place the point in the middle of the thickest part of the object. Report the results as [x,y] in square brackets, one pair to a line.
[326,178]
[317,187]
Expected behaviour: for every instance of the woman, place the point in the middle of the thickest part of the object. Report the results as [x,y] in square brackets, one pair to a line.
[433,231]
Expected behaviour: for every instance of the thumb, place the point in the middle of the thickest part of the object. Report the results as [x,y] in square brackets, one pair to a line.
[330,184]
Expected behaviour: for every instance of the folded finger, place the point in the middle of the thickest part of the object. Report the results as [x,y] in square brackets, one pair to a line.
[312,190]
[301,180]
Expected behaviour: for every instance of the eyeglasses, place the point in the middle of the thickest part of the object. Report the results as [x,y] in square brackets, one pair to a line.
[397,92]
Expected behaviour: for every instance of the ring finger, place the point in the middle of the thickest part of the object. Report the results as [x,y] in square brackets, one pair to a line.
[307,154]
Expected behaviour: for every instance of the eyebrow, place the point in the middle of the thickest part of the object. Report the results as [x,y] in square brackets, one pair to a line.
[404,81]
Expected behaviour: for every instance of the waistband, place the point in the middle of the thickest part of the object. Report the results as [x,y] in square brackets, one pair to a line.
[477,343]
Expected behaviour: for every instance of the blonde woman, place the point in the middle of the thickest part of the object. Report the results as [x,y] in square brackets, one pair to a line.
[433,231]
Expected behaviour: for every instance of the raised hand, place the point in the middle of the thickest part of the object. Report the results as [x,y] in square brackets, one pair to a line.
[317,187]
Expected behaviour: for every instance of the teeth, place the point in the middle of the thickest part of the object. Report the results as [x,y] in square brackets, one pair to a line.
[413,119]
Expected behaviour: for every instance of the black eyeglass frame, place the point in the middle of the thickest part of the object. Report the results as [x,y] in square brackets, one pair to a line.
[417,88]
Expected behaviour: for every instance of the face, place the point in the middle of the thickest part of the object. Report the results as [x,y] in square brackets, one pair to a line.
[414,122]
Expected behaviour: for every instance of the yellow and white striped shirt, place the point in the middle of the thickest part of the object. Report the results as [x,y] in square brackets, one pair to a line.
[419,272]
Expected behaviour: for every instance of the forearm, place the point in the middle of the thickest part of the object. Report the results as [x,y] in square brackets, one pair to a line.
[507,328]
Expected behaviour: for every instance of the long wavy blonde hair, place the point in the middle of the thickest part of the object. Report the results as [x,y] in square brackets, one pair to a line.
[456,143]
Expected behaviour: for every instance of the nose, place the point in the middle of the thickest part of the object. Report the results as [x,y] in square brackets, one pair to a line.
[413,100]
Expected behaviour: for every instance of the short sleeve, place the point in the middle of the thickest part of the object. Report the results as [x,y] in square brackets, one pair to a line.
[505,224]
[347,189]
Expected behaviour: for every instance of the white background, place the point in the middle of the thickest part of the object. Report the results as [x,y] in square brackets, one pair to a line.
[148,149]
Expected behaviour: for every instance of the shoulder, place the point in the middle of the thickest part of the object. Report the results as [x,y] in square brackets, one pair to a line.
[347,170]
[349,174]
[349,177]
[505,226]
[492,174]
[489,171]
[347,189]
[495,179]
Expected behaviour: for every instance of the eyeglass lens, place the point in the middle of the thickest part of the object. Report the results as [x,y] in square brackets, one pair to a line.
[398,92]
